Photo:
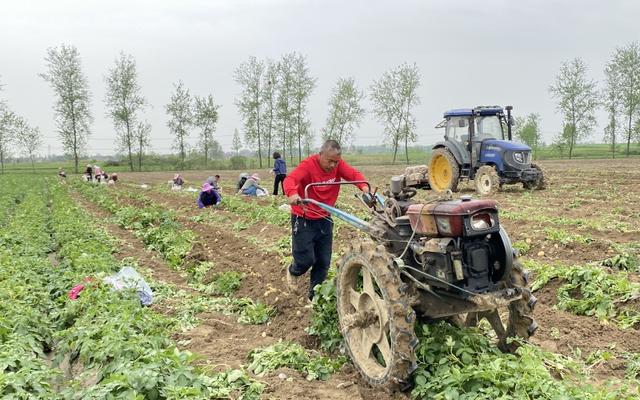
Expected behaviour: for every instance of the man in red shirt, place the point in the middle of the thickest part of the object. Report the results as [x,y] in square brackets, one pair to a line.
[311,226]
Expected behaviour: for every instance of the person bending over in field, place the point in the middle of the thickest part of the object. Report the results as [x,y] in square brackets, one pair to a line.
[177,182]
[251,187]
[311,226]
[208,196]
[214,181]
[88,173]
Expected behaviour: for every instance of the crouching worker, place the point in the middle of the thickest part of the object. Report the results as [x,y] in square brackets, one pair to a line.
[176,183]
[208,196]
[251,187]
[311,226]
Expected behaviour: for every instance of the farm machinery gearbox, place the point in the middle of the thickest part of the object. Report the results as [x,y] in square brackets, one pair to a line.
[440,260]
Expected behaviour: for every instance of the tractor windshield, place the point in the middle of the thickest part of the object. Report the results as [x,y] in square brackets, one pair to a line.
[489,126]
[457,128]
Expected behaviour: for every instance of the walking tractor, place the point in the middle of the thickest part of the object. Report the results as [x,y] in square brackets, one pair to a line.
[440,260]
[475,148]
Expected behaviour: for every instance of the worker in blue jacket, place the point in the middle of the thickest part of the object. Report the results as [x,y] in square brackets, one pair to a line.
[280,171]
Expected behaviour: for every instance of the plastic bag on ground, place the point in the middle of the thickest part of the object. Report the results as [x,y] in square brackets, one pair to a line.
[129,278]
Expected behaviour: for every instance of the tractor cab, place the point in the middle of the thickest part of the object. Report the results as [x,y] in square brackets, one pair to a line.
[475,144]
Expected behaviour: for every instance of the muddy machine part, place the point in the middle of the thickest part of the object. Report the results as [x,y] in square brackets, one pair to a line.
[441,260]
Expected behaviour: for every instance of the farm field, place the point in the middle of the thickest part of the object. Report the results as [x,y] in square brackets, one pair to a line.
[224,325]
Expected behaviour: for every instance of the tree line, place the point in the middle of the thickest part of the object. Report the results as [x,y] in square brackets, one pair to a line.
[273,101]
[275,94]
[578,97]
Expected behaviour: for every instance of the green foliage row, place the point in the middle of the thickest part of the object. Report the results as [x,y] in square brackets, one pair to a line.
[156,226]
[127,344]
[119,345]
[463,364]
[27,317]
[292,355]
[601,225]
[591,290]
[222,284]
[324,318]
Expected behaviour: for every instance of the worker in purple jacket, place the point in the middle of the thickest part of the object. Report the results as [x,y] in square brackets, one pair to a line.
[208,196]
[280,171]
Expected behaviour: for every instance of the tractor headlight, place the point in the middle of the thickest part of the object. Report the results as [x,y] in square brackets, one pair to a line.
[481,222]
[444,225]
[518,157]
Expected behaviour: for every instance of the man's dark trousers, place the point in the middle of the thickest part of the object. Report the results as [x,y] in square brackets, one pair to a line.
[311,241]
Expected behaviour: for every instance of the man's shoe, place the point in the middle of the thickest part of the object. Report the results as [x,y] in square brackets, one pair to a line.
[293,282]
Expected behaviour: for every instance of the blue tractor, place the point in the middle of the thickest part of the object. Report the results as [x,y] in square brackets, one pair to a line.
[474,148]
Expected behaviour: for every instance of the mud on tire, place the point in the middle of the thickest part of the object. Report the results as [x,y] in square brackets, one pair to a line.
[486,180]
[375,318]
[519,322]
[540,184]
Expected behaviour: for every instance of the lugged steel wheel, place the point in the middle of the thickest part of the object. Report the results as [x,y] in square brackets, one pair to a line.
[443,171]
[376,320]
[520,322]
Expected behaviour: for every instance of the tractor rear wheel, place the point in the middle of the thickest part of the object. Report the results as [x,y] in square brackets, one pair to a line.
[486,180]
[375,317]
[520,322]
[444,171]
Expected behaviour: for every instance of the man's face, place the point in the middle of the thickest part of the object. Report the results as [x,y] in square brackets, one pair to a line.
[329,160]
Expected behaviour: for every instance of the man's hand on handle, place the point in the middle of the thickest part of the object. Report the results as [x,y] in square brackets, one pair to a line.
[295,200]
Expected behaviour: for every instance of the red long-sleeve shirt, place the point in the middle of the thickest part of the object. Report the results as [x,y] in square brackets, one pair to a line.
[309,171]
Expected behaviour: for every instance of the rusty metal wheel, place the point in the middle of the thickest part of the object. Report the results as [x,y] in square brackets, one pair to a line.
[376,320]
[519,322]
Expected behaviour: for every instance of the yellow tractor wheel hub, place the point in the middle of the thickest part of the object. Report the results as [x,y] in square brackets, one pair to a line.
[440,173]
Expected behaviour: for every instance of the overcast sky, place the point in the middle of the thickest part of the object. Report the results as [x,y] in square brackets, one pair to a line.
[468,52]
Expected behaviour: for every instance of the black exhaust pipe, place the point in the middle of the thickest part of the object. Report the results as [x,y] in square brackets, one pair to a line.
[509,121]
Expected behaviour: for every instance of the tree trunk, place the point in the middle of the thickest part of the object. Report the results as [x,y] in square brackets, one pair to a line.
[613,141]
[299,134]
[129,144]
[629,131]
[395,151]
[206,153]
[406,148]
[75,138]
[258,127]
[2,161]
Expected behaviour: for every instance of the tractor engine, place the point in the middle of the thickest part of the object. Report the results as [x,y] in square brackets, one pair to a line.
[456,244]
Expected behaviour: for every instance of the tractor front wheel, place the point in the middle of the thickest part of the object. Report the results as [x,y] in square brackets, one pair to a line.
[539,184]
[444,171]
[375,317]
[486,180]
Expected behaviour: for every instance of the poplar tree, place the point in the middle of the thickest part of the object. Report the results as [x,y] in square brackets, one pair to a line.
[180,118]
[124,101]
[73,99]
[577,99]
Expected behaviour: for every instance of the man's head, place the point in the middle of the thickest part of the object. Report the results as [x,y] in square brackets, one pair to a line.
[330,155]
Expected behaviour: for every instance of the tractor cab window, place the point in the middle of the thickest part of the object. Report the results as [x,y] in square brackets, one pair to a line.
[457,128]
[488,127]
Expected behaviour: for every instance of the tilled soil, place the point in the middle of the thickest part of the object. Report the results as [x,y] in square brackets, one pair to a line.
[219,339]
[593,191]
